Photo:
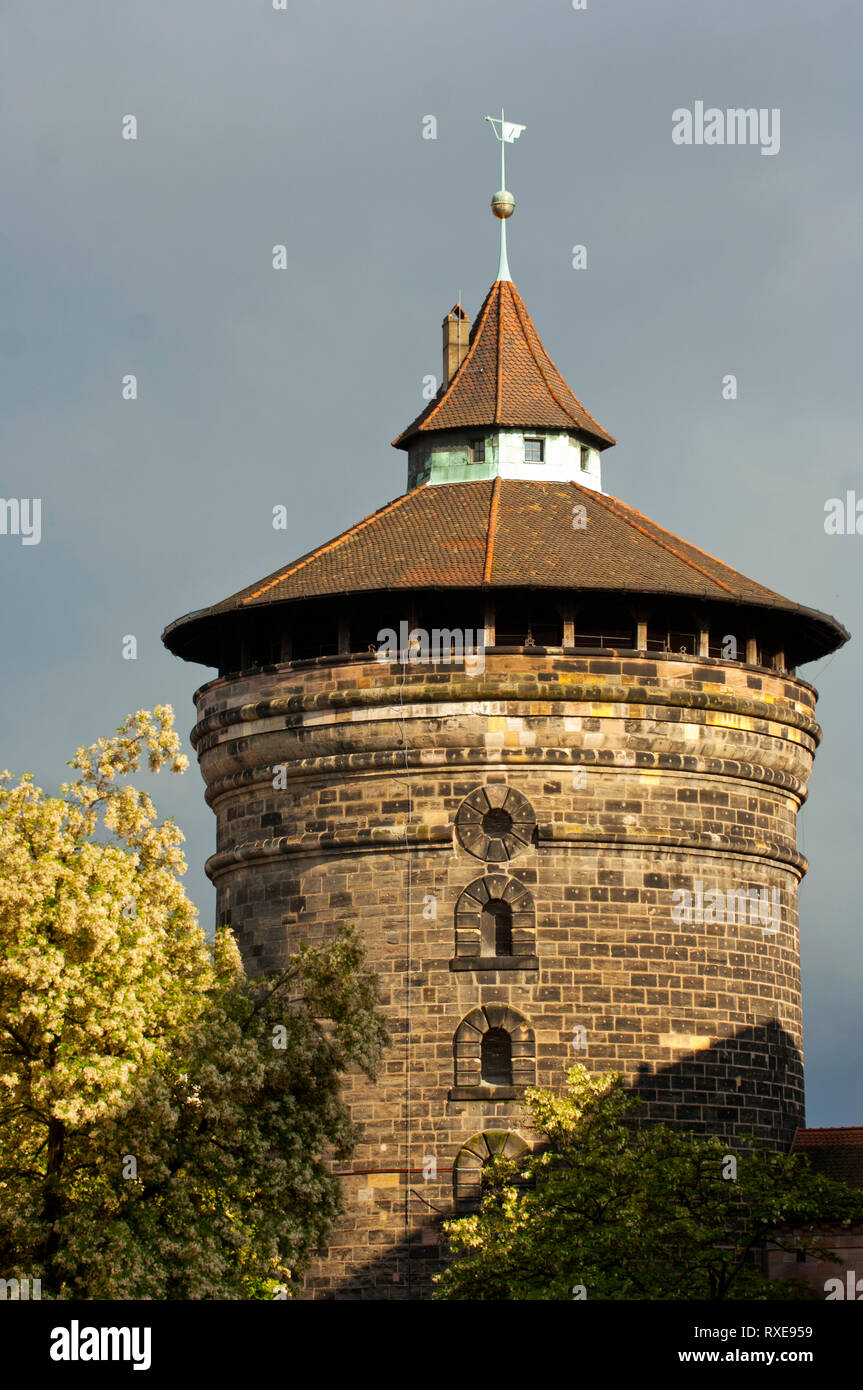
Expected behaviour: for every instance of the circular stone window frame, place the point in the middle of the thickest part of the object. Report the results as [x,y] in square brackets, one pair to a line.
[495,846]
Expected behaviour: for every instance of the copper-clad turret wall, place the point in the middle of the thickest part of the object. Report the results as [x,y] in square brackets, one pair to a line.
[554,858]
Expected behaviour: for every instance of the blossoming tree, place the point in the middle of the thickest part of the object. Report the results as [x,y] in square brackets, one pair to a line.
[165,1121]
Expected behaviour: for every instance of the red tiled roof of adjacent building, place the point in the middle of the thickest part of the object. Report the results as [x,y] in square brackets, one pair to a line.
[835,1152]
[507,378]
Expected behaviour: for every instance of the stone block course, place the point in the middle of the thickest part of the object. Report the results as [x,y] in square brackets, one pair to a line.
[703,1017]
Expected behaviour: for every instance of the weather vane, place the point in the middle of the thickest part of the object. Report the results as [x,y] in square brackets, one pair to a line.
[503,203]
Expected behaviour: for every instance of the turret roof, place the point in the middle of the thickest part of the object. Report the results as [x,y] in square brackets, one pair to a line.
[505,532]
[507,378]
[509,533]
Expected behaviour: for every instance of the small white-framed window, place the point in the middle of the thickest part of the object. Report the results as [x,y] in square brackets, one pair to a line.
[534,449]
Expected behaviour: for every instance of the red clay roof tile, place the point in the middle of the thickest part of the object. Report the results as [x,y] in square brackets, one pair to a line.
[503,533]
[507,378]
[836,1152]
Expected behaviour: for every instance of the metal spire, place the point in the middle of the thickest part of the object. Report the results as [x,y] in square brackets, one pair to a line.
[503,203]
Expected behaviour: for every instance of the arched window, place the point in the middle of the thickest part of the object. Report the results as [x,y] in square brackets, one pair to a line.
[496,928]
[494,1051]
[496,1057]
[473,1157]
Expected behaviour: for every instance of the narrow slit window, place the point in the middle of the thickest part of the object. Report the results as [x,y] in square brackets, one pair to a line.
[496,929]
[496,1065]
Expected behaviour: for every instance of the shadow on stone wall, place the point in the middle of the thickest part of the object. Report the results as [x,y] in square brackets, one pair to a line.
[751,1082]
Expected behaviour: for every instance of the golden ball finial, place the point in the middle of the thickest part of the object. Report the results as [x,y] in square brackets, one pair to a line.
[503,203]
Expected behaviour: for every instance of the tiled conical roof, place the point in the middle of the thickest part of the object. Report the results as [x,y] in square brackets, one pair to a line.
[504,533]
[507,378]
[508,533]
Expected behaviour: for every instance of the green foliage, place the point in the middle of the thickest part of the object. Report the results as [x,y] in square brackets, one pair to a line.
[124,1036]
[635,1213]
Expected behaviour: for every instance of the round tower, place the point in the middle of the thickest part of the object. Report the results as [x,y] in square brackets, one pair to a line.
[549,757]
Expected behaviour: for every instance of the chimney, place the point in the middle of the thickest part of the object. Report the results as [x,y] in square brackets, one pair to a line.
[455,338]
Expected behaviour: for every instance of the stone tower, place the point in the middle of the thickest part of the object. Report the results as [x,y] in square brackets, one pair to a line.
[549,757]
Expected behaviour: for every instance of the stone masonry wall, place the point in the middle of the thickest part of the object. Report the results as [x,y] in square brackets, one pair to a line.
[641,778]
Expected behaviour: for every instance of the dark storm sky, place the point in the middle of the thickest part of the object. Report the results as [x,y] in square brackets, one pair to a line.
[258,387]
